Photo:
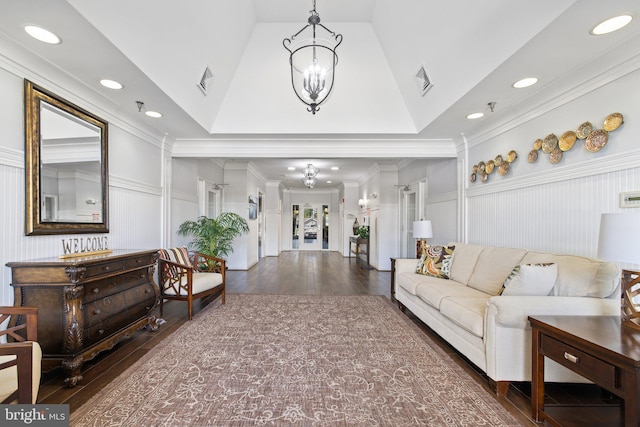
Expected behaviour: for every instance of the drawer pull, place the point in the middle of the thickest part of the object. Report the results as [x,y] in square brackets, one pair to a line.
[570,357]
[96,311]
[107,268]
[101,331]
[96,290]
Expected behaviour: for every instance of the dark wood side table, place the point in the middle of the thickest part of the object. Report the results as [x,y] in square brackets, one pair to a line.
[598,348]
[392,292]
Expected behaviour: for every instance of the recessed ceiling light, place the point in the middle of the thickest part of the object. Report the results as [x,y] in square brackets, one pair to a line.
[526,82]
[611,25]
[329,182]
[111,84]
[43,35]
[473,116]
[153,114]
[335,168]
[291,168]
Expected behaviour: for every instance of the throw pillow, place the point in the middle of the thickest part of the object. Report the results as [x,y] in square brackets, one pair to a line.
[436,261]
[531,280]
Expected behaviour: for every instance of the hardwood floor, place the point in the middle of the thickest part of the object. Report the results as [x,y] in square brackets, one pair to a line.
[321,273]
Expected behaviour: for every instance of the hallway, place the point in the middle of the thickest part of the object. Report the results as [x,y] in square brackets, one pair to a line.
[309,272]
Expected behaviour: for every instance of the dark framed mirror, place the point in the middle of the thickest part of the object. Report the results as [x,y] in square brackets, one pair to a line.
[66,171]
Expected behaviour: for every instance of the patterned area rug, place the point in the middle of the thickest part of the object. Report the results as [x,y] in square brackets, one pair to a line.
[295,360]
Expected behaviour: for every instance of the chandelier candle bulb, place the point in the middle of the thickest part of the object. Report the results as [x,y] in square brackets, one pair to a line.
[312,84]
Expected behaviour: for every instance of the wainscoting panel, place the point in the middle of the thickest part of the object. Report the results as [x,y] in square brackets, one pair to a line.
[561,216]
[134,223]
[135,219]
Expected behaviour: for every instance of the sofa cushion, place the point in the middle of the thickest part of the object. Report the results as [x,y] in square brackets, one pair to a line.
[493,266]
[436,261]
[466,312]
[464,261]
[201,282]
[411,281]
[434,292]
[530,279]
[579,276]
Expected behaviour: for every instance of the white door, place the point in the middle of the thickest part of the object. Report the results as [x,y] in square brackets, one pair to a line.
[310,228]
[408,216]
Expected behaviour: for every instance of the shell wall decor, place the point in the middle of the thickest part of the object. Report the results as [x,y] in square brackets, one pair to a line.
[553,146]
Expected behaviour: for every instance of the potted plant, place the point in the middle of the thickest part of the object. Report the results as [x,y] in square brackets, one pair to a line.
[363,232]
[213,236]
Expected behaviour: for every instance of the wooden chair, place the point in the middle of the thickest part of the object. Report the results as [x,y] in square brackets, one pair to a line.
[186,279]
[20,358]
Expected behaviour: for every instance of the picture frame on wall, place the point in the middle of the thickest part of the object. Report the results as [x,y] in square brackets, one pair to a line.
[253,207]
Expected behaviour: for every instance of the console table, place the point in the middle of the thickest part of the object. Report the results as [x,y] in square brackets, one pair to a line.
[360,248]
[598,348]
[86,305]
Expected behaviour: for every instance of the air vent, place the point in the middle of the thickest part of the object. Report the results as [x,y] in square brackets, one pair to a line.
[423,81]
[205,80]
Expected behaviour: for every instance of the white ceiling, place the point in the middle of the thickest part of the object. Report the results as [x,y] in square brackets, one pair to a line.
[473,52]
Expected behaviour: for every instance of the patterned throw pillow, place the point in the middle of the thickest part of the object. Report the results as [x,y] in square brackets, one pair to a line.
[436,261]
[530,280]
[179,255]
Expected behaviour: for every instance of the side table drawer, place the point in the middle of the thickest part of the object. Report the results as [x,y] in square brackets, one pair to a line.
[592,368]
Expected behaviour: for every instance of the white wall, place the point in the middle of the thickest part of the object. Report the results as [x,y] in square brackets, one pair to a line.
[557,207]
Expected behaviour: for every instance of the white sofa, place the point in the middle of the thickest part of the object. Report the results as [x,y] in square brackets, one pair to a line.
[492,330]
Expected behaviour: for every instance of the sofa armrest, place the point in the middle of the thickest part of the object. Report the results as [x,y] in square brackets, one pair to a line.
[513,311]
[406,265]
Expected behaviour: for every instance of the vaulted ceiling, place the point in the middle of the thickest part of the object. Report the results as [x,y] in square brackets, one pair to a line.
[472,51]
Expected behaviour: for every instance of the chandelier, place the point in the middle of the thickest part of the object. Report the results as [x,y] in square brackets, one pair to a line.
[310,173]
[313,61]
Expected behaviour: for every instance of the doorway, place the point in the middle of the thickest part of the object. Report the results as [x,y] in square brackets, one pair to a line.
[408,206]
[310,227]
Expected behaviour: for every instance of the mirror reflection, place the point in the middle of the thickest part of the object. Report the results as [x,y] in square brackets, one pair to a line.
[71,187]
[66,166]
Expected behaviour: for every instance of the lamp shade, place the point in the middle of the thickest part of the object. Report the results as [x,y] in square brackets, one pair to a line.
[619,238]
[422,229]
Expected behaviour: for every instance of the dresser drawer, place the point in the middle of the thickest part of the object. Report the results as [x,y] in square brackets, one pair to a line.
[102,269]
[104,288]
[139,261]
[597,370]
[100,328]
[104,316]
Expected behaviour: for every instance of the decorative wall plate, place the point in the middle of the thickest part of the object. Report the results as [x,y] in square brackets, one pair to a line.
[584,130]
[613,122]
[498,160]
[474,169]
[533,156]
[511,156]
[484,177]
[489,167]
[567,140]
[596,140]
[537,144]
[481,167]
[555,156]
[550,143]
[472,178]
[503,168]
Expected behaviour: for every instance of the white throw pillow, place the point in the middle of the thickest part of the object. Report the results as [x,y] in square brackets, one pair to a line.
[531,279]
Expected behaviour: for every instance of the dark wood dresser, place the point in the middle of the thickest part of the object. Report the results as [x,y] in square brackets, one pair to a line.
[87,304]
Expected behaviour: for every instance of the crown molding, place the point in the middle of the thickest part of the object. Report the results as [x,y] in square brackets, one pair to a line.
[320,148]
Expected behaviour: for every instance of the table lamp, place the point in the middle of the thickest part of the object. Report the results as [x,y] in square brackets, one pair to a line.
[619,241]
[421,230]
